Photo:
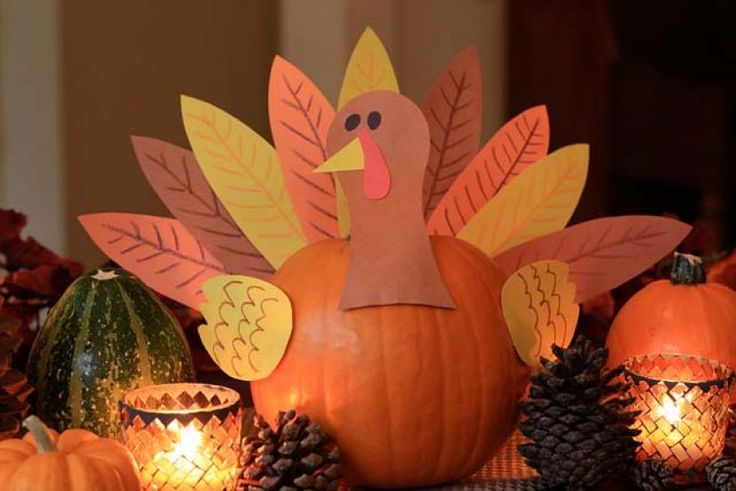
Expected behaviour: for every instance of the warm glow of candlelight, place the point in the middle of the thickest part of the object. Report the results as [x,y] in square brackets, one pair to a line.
[683,410]
[187,450]
[190,441]
[670,411]
[185,437]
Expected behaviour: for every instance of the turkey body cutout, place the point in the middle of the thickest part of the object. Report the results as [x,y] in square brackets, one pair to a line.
[391,258]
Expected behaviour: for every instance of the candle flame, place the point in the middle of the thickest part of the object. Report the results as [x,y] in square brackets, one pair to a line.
[189,442]
[670,411]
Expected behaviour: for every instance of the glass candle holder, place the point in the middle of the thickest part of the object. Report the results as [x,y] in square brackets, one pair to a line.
[683,402]
[185,437]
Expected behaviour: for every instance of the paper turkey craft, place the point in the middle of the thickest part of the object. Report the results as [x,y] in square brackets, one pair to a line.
[346,271]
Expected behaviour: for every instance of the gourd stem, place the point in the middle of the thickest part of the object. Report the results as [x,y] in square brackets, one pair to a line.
[687,270]
[40,434]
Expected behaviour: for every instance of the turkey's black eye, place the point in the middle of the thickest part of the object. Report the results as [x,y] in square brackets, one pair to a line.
[352,122]
[374,120]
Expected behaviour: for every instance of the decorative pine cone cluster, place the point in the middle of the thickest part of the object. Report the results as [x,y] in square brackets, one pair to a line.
[577,419]
[653,475]
[721,474]
[295,455]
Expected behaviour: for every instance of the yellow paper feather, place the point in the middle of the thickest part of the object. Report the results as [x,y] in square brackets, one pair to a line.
[243,170]
[248,326]
[369,69]
[540,310]
[539,201]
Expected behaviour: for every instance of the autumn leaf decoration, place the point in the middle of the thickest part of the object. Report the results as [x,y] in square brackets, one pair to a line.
[174,174]
[519,143]
[603,253]
[242,168]
[369,69]
[453,112]
[300,118]
[538,202]
[161,251]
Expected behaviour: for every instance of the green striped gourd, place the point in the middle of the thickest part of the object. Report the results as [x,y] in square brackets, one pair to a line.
[106,335]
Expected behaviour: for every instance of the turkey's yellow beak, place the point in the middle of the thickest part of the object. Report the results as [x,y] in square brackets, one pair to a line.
[349,157]
[362,153]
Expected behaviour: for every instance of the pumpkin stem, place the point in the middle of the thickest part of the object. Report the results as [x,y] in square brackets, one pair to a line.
[687,270]
[40,434]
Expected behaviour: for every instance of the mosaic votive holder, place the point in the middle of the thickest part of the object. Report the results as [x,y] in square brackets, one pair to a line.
[185,437]
[683,402]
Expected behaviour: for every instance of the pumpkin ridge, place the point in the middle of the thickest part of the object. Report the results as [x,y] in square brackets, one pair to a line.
[423,371]
[137,328]
[328,361]
[64,308]
[75,381]
[387,400]
[444,360]
[478,353]
[325,296]
[479,256]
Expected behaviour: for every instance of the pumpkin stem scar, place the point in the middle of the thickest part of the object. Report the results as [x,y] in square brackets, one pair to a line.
[103,275]
[40,434]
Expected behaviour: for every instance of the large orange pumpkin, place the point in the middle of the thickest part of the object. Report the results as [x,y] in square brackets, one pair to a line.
[413,395]
[683,315]
[76,460]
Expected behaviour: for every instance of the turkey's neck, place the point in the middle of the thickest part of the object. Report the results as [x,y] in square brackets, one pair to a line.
[392,261]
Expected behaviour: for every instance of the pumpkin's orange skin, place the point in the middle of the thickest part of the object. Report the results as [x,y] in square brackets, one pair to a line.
[697,320]
[83,462]
[413,395]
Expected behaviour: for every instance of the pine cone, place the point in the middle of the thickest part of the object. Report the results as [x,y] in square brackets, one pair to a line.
[296,455]
[721,474]
[577,419]
[653,475]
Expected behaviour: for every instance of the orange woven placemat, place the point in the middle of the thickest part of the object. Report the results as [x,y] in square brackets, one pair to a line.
[505,472]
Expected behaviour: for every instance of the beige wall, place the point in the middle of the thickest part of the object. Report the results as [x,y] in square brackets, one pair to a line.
[420,35]
[31,157]
[125,64]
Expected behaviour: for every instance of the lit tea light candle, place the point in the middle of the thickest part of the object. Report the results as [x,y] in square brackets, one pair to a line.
[683,402]
[184,436]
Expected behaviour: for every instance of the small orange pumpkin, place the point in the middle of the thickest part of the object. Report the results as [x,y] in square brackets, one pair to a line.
[683,315]
[413,395]
[76,460]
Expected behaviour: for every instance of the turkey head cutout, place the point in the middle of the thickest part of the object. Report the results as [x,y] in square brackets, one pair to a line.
[379,147]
